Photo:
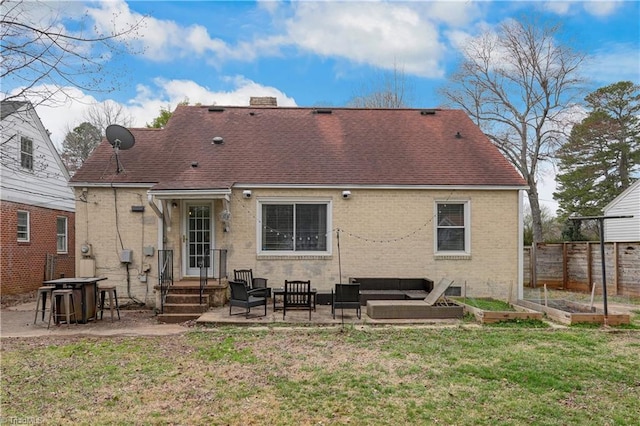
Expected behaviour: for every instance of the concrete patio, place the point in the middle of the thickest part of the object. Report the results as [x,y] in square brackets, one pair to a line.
[17,321]
[320,317]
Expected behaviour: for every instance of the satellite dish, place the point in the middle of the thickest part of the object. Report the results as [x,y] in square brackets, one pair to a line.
[120,137]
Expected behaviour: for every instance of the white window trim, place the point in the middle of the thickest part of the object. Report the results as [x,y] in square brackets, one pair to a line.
[28,239]
[32,153]
[293,200]
[66,235]
[467,230]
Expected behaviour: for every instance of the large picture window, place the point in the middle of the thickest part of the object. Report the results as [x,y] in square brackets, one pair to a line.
[294,227]
[23,226]
[61,234]
[452,228]
[26,153]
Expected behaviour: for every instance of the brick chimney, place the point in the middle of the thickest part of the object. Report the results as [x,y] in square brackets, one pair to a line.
[263,101]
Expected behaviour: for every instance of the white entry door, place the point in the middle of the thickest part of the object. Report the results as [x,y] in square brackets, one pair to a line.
[198,237]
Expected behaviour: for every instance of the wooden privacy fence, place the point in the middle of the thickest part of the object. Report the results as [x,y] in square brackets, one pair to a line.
[577,265]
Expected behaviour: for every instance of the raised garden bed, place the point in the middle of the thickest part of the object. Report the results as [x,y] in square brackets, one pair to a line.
[568,312]
[488,311]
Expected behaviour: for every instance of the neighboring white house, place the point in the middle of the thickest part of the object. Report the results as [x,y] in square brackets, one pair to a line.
[37,205]
[627,203]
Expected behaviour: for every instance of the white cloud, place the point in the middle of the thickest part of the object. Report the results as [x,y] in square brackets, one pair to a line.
[159,40]
[601,8]
[379,34]
[546,187]
[598,8]
[457,13]
[558,7]
[63,110]
[370,33]
[614,63]
[171,92]
[270,6]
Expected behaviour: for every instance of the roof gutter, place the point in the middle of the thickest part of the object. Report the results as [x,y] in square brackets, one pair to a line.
[191,194]
[378,186]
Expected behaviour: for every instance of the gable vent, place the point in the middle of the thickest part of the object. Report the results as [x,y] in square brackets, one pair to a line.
[322,111]
[216,109]
[428,112]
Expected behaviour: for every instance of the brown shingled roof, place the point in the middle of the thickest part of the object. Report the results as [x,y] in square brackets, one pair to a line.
[305,146]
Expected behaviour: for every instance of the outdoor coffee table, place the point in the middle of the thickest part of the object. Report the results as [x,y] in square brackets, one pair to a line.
[279,293]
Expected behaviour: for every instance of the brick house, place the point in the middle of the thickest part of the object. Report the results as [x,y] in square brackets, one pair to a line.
[36,204]
[305,193]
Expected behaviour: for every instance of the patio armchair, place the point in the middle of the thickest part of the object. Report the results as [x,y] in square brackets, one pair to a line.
[240,297]
[346,296]
[256,286]
[297,295]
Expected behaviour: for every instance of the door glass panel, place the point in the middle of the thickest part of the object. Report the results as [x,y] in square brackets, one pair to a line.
[199,236]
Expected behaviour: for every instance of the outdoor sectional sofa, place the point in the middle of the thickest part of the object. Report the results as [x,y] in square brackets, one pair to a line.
[393,288]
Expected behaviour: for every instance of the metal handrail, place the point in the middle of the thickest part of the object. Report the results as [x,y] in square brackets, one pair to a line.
[204,271]
[165,276]
[219,267]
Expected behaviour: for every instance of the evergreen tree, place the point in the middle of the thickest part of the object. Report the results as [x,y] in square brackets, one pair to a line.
[78,145]
[602,154]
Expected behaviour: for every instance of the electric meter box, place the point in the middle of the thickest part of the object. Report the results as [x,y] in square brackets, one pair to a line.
[126,256]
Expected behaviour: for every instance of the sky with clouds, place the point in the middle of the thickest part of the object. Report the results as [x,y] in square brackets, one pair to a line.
[312,53]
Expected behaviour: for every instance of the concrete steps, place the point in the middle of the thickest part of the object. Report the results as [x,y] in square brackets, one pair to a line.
[183,303]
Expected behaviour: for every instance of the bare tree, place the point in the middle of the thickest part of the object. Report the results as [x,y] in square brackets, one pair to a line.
[40,57]
[109,112]
[388,90]
[516,84]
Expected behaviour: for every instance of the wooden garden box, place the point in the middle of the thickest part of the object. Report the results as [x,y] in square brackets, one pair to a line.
[568,312]
[487,316]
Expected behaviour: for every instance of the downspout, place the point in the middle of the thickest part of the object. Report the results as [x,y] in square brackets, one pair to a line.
[520,244]
[153,206]
[162,220]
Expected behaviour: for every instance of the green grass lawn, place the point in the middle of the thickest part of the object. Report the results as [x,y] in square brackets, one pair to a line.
[486,304]
[327,376]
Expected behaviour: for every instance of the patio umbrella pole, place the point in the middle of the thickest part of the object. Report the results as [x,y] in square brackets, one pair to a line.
[339,269]
[339,261]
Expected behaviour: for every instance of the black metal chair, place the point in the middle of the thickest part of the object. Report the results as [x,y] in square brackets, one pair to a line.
[241,297]
[256,286]
[346,296]
[297,295]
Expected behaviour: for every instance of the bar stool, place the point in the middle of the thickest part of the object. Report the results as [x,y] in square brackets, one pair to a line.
[43,292]
[69,300]
[113,300]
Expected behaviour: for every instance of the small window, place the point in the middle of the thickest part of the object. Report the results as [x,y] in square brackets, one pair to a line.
[61,237]
[452,228]
[26,153]
[294,227]
[23,226]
